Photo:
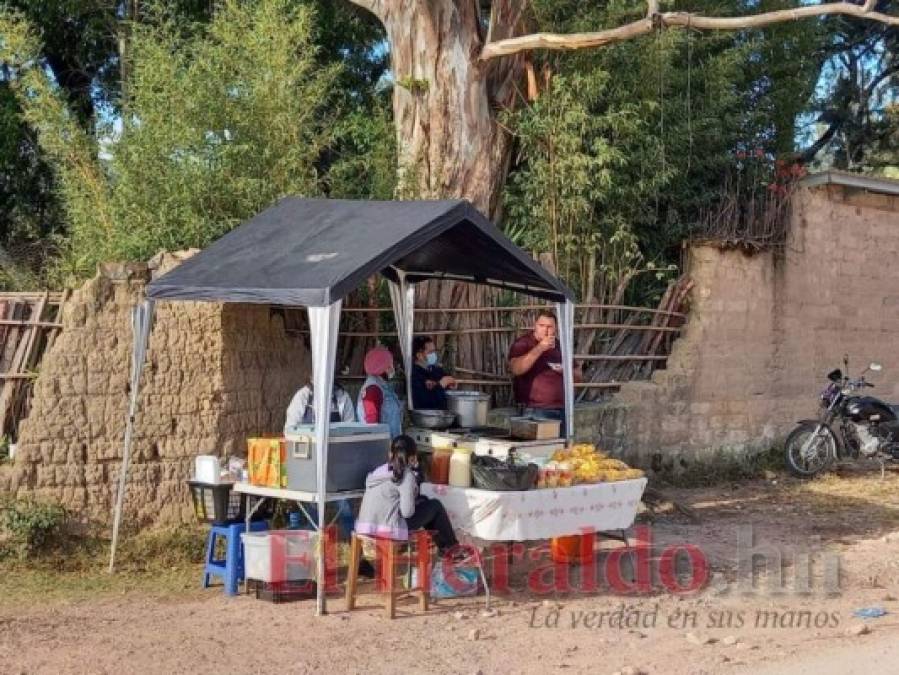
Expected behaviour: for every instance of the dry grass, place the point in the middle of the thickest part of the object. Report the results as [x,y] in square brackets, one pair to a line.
[161,563]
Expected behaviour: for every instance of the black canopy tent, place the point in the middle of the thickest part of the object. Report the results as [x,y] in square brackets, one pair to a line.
[313,252]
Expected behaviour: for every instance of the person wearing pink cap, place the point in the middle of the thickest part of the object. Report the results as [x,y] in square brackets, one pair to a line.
[378,402]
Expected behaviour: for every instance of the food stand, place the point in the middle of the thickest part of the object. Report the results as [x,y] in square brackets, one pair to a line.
[312,253]
[533,515]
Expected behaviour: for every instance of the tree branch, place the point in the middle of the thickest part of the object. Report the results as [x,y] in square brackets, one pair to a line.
[644,26]
[807,155]
[376,7]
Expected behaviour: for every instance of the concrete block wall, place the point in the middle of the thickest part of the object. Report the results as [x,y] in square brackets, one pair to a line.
[763,332]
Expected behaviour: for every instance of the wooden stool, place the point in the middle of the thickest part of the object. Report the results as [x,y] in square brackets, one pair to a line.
[388,553]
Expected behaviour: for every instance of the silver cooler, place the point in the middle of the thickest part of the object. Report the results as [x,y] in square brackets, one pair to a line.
[354,450]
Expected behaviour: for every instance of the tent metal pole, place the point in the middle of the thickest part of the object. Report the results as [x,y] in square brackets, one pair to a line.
[141,320]
[402,297]
[324,324]
[565,313]
[408,292]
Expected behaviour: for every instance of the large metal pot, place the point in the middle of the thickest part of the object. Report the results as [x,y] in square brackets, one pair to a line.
[470,407]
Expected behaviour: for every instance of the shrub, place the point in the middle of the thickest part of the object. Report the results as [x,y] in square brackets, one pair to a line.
[31,526]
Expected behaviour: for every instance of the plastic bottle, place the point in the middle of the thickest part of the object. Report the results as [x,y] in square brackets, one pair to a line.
[460,468]
[440,465]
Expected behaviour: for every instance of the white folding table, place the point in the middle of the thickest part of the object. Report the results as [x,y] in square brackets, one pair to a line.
[301,497]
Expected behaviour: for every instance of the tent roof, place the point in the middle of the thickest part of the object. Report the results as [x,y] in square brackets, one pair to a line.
[313,252]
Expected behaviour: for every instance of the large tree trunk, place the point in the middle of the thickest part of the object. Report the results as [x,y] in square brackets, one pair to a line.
[445,101]
[450,78]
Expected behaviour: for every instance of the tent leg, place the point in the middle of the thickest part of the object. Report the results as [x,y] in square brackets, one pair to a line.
[141,319]
[324,323]
[565,314]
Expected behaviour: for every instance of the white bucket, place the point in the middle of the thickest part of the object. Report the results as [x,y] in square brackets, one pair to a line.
[280,555]
[207,469]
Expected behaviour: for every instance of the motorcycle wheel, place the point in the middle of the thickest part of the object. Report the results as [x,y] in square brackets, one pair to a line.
[820,456]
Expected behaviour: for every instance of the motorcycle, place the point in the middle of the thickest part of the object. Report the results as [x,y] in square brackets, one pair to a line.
[849,426]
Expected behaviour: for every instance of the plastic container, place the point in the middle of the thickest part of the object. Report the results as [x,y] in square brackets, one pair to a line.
[219,505]
[283,591]
[440,466]
[215,503]
[280,555]
[207,469]
[571,550]
[460,468]
[354,451]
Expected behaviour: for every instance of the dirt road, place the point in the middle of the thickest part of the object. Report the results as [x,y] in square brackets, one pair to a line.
[797,624]
[880,655]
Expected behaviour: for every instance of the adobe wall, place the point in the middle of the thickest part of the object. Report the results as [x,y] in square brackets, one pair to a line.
[763,331]
[214,376]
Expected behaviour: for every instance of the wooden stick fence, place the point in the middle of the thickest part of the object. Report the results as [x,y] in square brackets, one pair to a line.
[29,324]
[471,326]
[619,342]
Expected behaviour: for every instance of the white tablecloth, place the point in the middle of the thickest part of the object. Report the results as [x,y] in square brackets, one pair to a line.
[539,514]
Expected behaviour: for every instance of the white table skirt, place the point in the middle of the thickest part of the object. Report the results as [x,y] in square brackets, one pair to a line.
[539,514]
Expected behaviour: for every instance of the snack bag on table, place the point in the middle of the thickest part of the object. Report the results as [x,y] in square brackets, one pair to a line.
[267,462]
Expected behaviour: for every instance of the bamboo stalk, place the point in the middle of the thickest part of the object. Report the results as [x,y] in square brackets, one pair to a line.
[514,308]
[483,373]
[28,322]
[503,329]
[620,357]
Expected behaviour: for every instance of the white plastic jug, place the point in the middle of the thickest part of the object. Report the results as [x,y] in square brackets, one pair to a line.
[207,469]
[460,468]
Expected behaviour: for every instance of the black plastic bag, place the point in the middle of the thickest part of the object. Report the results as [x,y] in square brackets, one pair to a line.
[489,473]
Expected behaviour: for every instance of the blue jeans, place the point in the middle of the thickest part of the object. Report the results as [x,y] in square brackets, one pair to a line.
[345,520]
[548,414]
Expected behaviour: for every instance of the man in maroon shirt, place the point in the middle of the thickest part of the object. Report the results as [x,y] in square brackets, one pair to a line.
[536,364]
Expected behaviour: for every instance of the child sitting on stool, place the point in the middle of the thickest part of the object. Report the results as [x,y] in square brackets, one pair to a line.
[391,506]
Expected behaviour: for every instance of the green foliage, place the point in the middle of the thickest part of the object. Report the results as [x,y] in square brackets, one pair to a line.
[222,119]
[883,154]
[848,118]
[363,155]
[220,124]
[31,526]
[645,133]
[579,186]
[413,85]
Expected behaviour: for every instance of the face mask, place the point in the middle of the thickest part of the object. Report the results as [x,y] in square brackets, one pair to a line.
[431,359]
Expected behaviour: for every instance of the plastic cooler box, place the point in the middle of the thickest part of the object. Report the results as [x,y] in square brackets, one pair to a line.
[279,555]
[354,450]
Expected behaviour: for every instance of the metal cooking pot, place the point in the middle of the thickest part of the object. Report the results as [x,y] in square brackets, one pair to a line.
[433,419]
[470,406]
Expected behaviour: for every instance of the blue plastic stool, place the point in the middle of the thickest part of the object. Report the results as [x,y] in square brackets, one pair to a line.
[229,568]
